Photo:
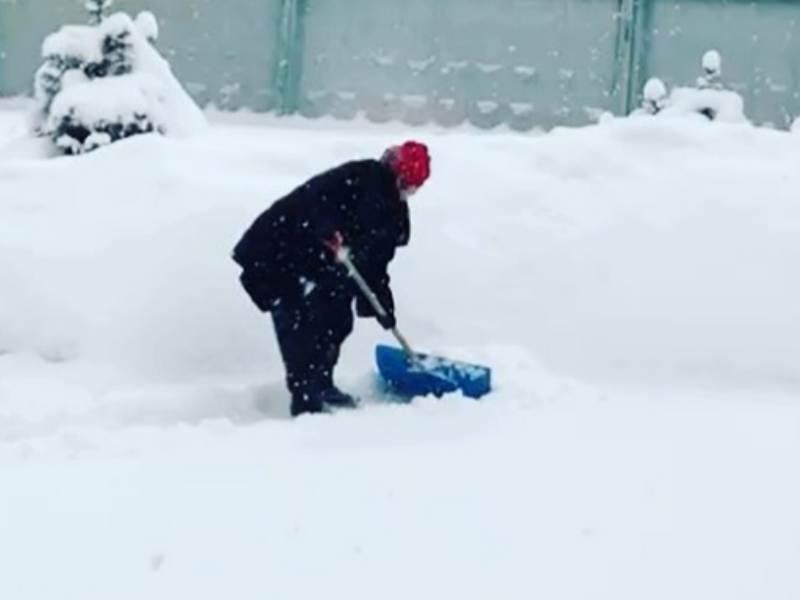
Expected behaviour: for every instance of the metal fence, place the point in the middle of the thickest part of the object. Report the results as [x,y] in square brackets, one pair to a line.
[521,63]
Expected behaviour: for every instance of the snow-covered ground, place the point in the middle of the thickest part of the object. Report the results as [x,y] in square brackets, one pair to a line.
[633,285]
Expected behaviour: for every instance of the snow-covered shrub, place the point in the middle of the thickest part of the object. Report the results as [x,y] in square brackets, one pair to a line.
[712,71]
[655,94]
[105,82]
[708,100]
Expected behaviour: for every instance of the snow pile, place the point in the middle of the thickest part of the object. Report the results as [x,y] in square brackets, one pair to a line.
[707,100]
[639,250]
[713,104]
[106,82]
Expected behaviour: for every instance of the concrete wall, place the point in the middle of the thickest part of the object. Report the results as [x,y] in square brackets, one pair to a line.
[525,63]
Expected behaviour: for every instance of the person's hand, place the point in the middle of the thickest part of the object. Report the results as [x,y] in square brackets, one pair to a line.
[335,243]
[387,321]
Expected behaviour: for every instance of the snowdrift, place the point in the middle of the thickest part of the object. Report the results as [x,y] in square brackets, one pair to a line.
[650,251]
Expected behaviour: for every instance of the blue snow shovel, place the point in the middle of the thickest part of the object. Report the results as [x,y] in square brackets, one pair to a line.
[412,374]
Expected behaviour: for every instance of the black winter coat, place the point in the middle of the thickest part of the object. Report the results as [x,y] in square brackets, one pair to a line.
[283,255]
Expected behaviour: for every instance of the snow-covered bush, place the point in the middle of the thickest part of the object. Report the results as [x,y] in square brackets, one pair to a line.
[709,99]
[655,94]
[712,71]
[104,82]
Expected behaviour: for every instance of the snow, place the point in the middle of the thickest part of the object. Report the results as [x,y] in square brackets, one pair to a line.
[654,90]
[184,117]
[712,62]
[147,24]
[414,101]
[486,107]
[113,99]
[632,285]
[520,109]
[708,101]
[79,41]
[725,105]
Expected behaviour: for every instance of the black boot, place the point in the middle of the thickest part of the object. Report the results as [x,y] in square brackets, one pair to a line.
[335,398]
[306,404]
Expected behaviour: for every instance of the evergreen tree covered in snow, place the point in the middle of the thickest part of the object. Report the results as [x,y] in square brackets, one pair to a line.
[104,82]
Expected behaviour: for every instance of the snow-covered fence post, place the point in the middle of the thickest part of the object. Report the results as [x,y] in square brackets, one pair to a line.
[288,75]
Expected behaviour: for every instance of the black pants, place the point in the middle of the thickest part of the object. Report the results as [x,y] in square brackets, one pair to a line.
[310,334]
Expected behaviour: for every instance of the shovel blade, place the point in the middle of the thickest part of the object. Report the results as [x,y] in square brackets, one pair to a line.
[438,376]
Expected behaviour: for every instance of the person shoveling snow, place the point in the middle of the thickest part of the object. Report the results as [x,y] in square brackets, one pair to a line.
[290,269]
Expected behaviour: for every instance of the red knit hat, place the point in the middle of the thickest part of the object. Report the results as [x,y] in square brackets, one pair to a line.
[410,162]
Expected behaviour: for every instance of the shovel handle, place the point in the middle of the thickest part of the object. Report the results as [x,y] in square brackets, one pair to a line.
[343,256]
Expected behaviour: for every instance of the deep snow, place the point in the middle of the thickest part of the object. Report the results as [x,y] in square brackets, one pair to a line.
[633,285]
